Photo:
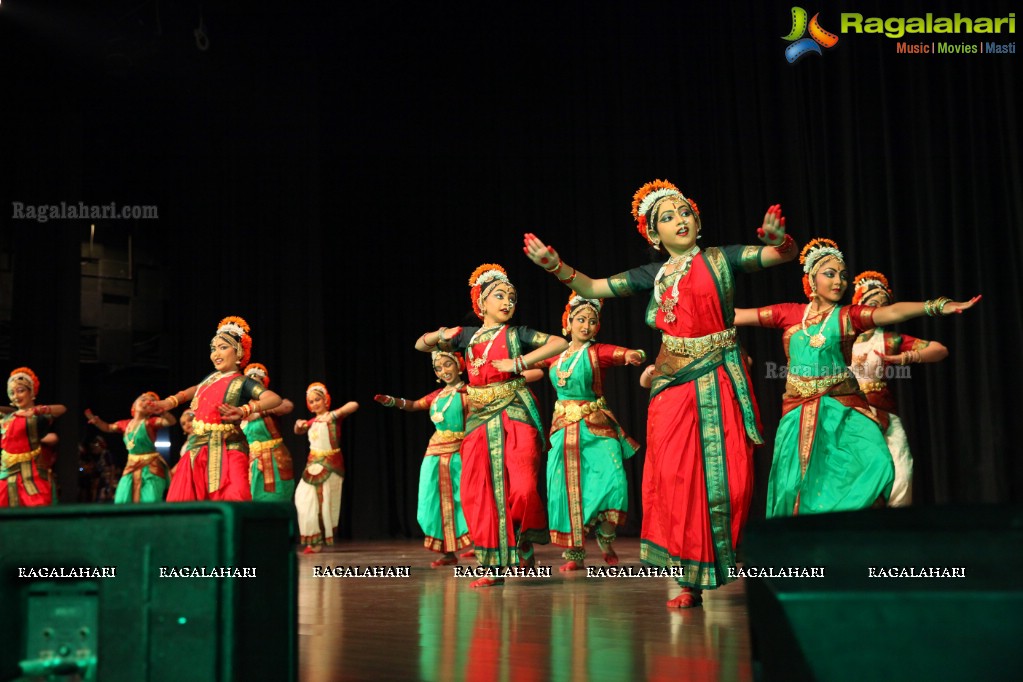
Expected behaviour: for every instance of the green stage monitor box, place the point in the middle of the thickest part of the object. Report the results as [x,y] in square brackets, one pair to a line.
[149,592]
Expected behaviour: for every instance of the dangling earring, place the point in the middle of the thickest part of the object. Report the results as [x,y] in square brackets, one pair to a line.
[699,236]
[656,243]
[439,381]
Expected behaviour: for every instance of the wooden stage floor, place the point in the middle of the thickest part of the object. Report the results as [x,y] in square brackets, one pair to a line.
[433,626]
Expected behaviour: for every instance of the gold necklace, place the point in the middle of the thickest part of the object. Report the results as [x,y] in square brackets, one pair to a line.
[437,412]
[564,375]
[817,340]
[474,362]
[667,306]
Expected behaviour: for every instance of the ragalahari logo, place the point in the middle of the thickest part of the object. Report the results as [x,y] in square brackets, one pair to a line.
[801,46]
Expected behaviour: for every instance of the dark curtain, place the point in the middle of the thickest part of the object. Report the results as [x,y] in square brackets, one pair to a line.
[334,174]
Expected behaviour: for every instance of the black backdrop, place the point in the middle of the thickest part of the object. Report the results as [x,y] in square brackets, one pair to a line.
[334,173]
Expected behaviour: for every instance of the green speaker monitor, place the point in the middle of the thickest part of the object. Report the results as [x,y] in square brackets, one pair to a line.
[149,592]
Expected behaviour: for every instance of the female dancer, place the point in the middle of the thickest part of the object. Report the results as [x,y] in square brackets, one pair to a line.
[586,484]
[270,470]
[829,452]
[702,421]
[219,459]
[26,478]
[318,494]
[502,441]
[145,476]
[440,503]
[872,352]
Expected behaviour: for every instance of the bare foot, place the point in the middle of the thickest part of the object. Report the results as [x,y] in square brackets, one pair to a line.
[687,600]
[571,566]
[610,558]
[487,582]
[446,560]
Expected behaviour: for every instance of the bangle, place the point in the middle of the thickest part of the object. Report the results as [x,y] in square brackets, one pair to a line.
[246,410]
[41,409]
[939,305]
[425,342]
[642,354]
[568,280]
[255,406]
[555,268]
[404,404]
[786,244]
[389,402]
[173,398]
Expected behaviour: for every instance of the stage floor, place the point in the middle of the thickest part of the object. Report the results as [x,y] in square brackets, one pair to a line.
[433,626]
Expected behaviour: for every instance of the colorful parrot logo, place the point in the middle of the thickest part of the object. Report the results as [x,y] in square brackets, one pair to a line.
[801,46]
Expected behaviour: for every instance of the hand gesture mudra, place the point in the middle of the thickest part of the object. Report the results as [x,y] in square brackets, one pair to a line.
[538,252]
[772,231]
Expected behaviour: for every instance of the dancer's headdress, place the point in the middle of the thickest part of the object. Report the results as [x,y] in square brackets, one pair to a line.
[259,373]
[317,387]
[813,256]
[868,284]
[454,355]
[483,280]
[25,377]
[235,331]
[645,201]
[575,303]
[151,394]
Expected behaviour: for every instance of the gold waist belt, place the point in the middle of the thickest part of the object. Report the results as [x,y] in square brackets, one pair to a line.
[261,445]
[574,410]
[12,458]
[202,428]
[874,386]
[810,386]
[447,435]
[142,459]
[323,454]
[699,346]
[484,395]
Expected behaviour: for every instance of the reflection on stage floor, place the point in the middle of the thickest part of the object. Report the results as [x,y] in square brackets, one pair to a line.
[433,626]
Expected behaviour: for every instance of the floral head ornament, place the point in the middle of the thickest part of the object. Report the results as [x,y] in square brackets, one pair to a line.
[235,331]
[869,284]
[574,305]
[22,376]
[483,280]
[646,201]
[812,257]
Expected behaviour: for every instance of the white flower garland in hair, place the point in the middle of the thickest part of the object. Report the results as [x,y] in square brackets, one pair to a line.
[231,328]
[870,284]
[650,199]
[579,300]
[255,371]
[489,276]
[818,253]
[23,377]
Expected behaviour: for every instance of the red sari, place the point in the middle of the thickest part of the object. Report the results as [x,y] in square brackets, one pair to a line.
[25,476]
[702,424]
[217,467]
[501,452]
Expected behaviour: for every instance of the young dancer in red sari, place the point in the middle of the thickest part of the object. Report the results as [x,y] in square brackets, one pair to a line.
[26,478]
[218,464]
[702,421]
[501,448]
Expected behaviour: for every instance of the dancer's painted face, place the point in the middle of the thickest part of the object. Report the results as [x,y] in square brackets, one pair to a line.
[143,405]
[316,402]
[23,396]
[499,305]
[877,299]
[583,325]
[831,280]
[223,355]
[677,226]
[446,370]
[186,422]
